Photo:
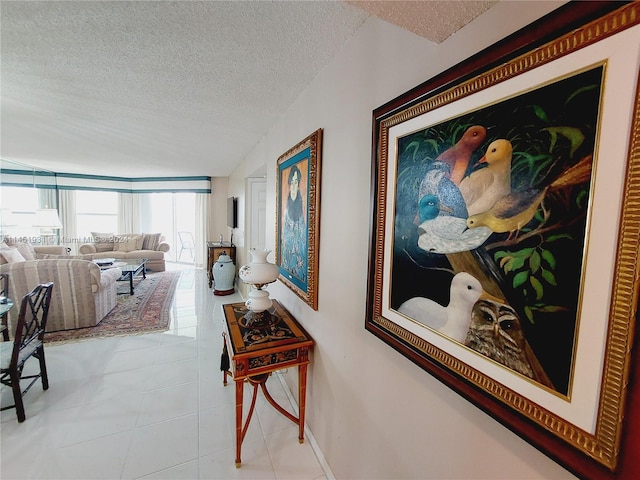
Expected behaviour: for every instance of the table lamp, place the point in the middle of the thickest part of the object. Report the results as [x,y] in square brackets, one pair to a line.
[258,274]
[47,220]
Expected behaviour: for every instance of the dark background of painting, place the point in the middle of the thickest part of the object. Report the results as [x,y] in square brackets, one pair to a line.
[568,105]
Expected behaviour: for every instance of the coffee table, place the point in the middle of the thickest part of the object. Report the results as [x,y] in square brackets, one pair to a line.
[131,267]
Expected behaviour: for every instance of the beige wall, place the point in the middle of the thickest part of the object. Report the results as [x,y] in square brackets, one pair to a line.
[218,210]
[373,413]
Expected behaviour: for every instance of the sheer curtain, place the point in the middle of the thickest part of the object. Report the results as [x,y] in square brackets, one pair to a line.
[129,213]
[47,198]
[202,227]
[67,209]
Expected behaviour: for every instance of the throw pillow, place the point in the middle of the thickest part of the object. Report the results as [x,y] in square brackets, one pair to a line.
[26,250]
[139,241]
[125,243]
[103,241]
[12,255]
[151,241]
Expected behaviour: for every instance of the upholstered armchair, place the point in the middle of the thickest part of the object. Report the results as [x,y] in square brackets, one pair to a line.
[82,296]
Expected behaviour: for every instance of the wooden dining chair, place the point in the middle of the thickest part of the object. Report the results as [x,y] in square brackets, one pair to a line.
[27,343]
[4,294]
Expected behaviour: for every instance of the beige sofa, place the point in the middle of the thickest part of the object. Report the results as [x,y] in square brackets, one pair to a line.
[82,294]
[130,245]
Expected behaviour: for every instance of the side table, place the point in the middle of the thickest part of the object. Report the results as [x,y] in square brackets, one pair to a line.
[254,353]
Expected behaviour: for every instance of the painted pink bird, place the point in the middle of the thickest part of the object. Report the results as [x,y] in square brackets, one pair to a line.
[458,156]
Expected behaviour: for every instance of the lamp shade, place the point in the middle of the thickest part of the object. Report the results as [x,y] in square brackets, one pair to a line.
[47,218]
[258,274]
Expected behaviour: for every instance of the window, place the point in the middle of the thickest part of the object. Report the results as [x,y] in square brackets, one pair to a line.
[96,211]
[19,205]
[171,213]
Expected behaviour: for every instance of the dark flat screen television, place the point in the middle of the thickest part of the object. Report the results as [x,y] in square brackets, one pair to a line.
[232,212]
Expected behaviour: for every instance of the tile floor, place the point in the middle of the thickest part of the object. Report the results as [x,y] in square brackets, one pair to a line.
[151,406]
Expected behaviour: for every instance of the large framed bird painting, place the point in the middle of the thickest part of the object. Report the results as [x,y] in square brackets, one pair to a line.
[505,231]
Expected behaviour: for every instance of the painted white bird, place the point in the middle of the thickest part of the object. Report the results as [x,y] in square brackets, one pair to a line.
[446,234]
[484,187]
[454,319]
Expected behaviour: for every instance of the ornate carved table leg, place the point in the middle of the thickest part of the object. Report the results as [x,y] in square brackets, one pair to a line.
[302,394]
[239,392]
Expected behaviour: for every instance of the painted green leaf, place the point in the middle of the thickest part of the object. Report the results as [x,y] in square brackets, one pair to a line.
[537,286]
[549,258]
[574,135]
[587,88]
[534,262]
[529,313]
[553,238]
[518,263]
[508,266]
[500,253]
[540,113]
[524,253]
[520,278]
[549,277]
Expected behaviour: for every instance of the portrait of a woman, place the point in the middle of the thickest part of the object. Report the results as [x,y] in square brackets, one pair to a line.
[294,233]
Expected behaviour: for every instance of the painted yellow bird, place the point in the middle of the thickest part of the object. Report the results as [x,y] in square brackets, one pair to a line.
[510,213]
[484,187]
[517,209]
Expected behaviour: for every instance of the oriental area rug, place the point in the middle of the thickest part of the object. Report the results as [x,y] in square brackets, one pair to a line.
[147,310]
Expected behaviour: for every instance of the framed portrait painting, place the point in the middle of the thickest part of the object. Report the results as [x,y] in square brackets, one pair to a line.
[505,232]
[298,217]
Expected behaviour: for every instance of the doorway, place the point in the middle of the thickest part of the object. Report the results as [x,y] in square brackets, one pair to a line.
[256,212]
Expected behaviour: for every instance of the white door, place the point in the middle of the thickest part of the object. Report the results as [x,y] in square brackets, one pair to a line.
[257,213]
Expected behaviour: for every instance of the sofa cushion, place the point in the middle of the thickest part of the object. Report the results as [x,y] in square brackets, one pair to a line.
[151,241]
[127,243]
[12,255]
[26,250]
[103,241]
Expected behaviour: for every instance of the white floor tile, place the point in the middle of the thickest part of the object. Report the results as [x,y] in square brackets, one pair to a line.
[290,458]
[162,445]
[185,471]
[101,458]
[256,464]
[168,403]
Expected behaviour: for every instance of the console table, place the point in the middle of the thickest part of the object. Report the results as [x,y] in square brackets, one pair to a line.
[214,250]
[254,353]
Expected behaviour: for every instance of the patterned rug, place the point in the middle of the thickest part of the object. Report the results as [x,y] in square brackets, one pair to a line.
[147,310]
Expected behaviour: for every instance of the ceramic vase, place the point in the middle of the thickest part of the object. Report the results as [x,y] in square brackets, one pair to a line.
[224,272]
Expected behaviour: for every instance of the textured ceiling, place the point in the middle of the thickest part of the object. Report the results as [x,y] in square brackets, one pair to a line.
[432,19]
[163,88]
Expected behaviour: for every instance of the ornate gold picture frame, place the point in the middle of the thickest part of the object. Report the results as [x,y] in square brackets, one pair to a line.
[508,189]
[298,217]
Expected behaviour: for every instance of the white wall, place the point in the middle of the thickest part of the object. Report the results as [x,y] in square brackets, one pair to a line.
[218,210]
[373,413]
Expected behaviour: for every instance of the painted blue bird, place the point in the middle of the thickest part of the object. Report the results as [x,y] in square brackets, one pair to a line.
[429,208]
[436,182]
